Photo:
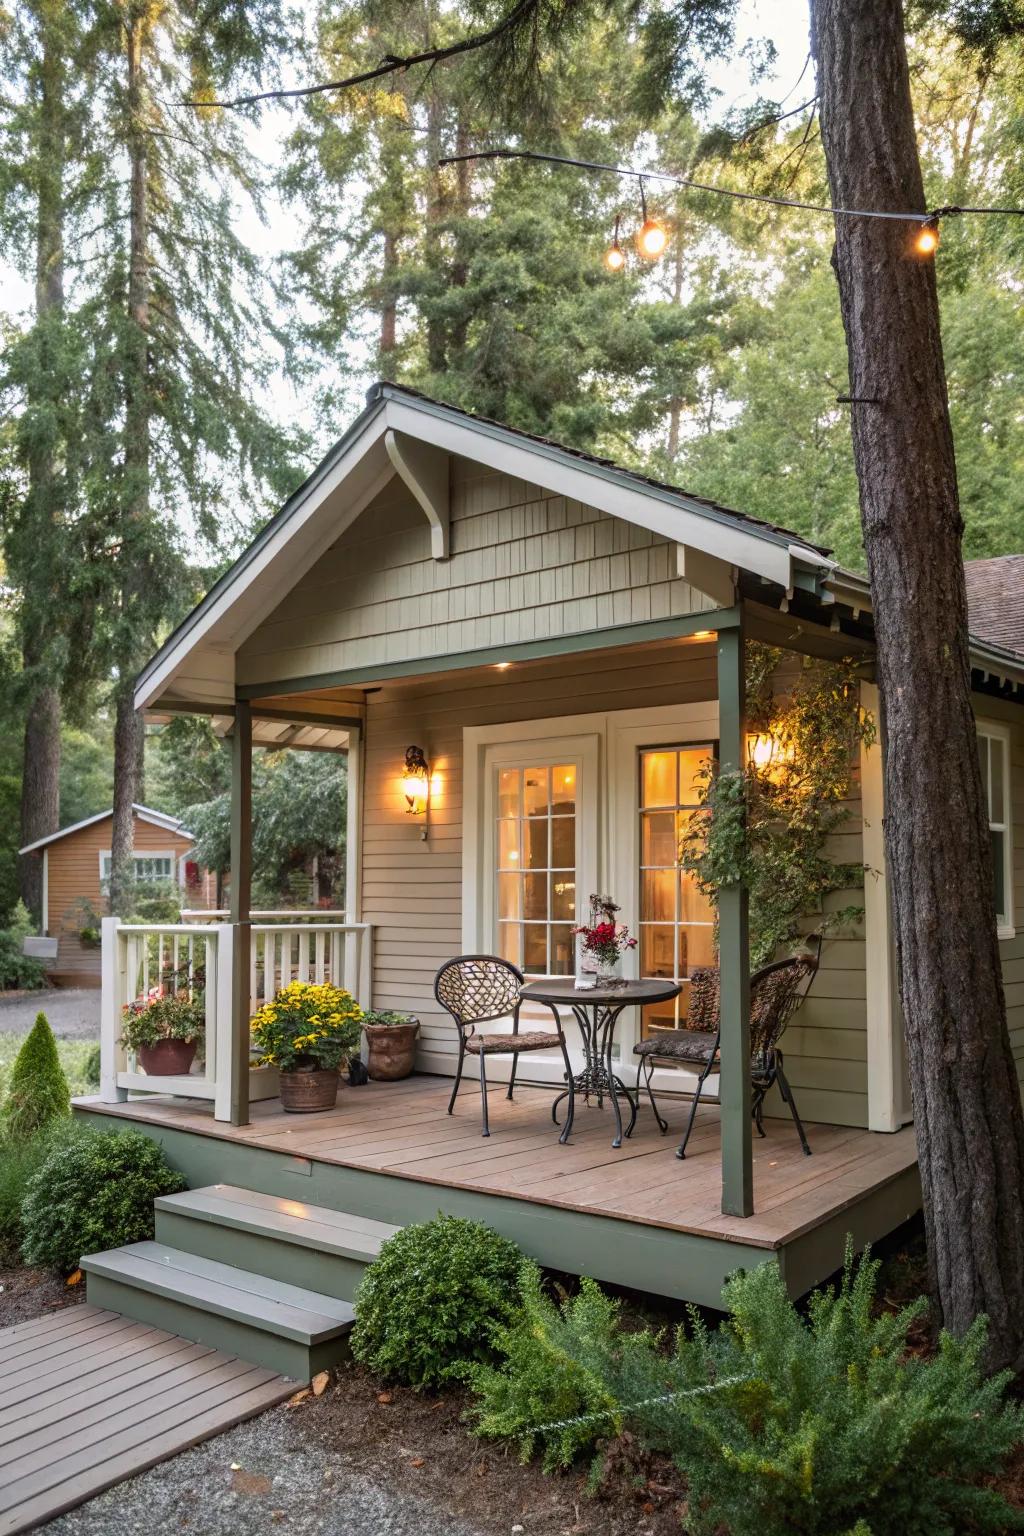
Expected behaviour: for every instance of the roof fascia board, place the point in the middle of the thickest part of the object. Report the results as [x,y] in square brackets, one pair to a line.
[669,513]
[256,561]
[142,813]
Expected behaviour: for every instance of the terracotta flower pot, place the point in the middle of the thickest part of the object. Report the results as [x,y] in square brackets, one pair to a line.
[307,1089]
[167,1058]
[391,1051]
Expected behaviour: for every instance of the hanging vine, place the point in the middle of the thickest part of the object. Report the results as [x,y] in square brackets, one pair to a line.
[769,823]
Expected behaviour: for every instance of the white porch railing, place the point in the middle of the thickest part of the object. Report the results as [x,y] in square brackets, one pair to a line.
[199,958]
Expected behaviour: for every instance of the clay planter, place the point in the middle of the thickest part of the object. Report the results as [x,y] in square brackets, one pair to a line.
[308,1089]
[391,1050]
[167,1058]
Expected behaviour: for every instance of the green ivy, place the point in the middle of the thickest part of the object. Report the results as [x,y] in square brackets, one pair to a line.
[768,824]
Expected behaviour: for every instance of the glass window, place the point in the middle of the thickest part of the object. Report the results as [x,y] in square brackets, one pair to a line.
[535,844]
[148,866]
[994,758]
[676,921]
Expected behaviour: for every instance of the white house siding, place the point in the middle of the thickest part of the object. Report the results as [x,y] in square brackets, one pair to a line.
[412,890]
[524,566]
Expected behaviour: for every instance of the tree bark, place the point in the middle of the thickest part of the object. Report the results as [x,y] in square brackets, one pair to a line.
[128,730]
[40,780]
[967,1104]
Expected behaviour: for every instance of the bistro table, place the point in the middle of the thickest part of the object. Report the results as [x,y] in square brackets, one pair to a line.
[597,1010]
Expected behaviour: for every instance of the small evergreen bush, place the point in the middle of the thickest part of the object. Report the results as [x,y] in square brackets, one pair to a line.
[94,1191]
[19,1160]
[19,972]
[558,1368]
[431,1300]
[38,1090]
[831,1426]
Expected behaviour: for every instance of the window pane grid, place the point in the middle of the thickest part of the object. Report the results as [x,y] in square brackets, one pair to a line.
[676,920]
[993,755]
[536,867]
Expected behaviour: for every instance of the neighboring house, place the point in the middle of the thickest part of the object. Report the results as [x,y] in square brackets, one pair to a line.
[563,639]
[76,873]
[995,600]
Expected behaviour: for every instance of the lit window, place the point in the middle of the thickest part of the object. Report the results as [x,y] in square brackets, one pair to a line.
[994,757]
[676,920]
[535,845]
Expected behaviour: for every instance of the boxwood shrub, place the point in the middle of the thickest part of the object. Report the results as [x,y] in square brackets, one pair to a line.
[94,1190]
[430,1302]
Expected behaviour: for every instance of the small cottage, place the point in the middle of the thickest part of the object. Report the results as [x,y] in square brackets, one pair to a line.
[76,873]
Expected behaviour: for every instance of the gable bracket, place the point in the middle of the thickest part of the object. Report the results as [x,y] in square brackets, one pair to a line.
[424,470]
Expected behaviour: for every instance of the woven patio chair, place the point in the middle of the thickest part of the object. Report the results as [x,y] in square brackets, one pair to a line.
[776,992]
[478,989]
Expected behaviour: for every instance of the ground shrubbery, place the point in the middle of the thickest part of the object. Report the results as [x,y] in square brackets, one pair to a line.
[428,1305]
[19,972]
[782,1424]
[94,1190]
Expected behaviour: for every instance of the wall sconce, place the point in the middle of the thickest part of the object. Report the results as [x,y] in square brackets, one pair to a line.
[768,753]
[416,785]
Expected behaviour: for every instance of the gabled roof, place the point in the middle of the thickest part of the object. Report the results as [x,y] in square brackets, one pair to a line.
[142,813]
[995,601]
[362,462]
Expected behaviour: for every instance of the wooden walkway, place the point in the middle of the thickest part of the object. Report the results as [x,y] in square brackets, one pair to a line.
[88,1398]
[402,1129]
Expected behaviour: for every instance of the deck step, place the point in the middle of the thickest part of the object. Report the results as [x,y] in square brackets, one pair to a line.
[286,1328]
[287,1240]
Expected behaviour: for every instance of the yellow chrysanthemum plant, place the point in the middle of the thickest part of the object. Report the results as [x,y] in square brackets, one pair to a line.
[308,1025]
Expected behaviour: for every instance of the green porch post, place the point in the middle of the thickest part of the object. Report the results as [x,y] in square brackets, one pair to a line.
[734,953]
[240,903]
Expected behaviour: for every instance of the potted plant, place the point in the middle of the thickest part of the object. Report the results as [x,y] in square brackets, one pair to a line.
[164,1029]
[391,1044]
[602,942]
[308,1032]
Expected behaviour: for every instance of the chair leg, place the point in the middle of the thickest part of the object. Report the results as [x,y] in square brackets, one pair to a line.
[458,1071]
[787,1094]
[757,1110]
[570,1108]
[483,1095]
[512,1075]
[681,1149]
[647,1069]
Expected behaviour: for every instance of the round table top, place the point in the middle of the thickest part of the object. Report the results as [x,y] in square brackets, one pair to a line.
[626,992]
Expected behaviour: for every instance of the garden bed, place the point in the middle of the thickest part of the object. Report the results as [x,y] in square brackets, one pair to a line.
[26,1294]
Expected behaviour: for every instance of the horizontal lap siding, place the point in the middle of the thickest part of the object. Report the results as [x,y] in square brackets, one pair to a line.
[524,566]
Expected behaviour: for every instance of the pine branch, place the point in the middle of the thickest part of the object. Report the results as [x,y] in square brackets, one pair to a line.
[391,63]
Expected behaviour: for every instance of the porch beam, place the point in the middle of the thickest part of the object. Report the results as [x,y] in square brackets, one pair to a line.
[240,899]
[682,627]
[734,953]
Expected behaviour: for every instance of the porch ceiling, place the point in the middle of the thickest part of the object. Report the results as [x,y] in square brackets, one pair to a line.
[276,729]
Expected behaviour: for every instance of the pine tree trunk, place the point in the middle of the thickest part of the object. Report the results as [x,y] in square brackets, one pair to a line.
[967,1104]
[128,730]
[40,780]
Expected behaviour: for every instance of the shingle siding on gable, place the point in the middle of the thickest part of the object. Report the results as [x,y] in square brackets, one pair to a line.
[524,566]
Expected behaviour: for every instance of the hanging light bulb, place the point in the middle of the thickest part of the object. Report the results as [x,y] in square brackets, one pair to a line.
[652,236]
[926,242]
[615,256]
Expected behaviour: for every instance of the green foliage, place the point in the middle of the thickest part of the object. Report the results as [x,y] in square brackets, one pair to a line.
[94,1191]
[37,1091]
[74,1056]
[822,1424]
[163,1018]
[385,1017]
[769,823]
[552,1391]
[20,1159]
[18,971]
[430,1302]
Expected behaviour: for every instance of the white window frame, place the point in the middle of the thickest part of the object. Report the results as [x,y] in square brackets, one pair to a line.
[998,735]
[144,853]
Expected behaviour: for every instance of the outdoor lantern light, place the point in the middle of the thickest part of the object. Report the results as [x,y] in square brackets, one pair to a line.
[615,256]
[416,782]
[927,241]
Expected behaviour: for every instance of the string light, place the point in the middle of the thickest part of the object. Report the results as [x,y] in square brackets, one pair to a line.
[651,237]
[615,256]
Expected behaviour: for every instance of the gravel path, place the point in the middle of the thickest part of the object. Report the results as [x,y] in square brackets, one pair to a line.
[264,1476]
[73,1012]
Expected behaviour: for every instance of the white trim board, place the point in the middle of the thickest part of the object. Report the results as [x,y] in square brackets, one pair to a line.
[140,812]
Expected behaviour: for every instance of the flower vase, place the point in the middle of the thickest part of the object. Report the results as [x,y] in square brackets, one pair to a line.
[586,968]
[609,971]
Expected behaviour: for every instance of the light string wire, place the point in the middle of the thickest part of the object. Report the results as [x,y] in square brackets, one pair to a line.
[647,1402]
[924,216]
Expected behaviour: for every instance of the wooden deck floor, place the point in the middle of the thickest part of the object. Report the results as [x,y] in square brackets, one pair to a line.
[401,1129]
[88,1398]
